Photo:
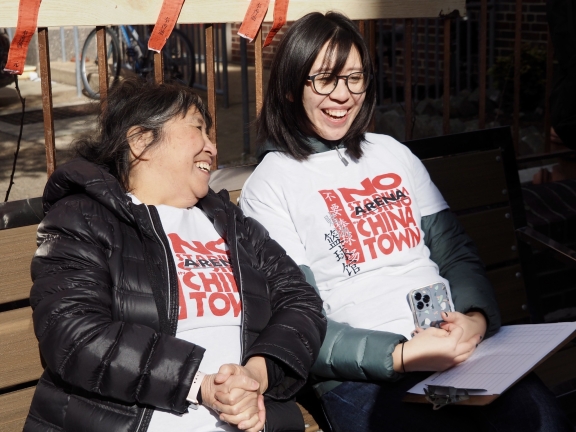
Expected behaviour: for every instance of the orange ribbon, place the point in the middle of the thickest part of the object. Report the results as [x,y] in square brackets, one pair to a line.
[255,15]
[165,24]
[25,29]
[253,19]
[280,13]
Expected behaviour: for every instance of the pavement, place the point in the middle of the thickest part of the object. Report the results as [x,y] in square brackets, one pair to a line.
[30,175]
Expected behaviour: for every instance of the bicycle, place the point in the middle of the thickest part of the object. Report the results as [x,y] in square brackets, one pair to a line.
[178,58]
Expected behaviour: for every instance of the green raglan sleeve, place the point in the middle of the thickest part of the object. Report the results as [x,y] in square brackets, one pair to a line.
[350,353]
[458,261]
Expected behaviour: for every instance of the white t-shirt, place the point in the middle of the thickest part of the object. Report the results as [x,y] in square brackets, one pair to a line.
[358,227]
[210,307]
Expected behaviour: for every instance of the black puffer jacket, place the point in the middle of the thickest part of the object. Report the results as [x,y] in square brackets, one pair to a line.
[105,300]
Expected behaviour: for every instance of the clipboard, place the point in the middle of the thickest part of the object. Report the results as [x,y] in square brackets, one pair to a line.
[499,362]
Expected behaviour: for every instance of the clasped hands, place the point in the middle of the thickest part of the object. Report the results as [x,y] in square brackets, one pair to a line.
[236,393]
[438,349]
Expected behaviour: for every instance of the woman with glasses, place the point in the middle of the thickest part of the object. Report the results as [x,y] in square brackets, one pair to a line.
[358,212]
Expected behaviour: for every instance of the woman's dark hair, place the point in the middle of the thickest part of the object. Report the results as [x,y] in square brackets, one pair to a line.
[140,103]
[283,120]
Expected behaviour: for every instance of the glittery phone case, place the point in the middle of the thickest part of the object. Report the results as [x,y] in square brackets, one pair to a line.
[427,303]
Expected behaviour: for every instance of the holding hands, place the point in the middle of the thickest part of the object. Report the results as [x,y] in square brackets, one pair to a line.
[236,393]
[438,349]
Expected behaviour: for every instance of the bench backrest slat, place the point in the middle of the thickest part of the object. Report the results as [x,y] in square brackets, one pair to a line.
[18,247]
[19,355]
[14,408]
[493,233]
[469,180]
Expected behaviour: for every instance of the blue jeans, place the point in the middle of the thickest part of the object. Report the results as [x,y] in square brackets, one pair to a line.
[373,407]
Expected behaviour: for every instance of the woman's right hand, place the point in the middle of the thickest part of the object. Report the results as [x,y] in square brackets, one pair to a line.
[434,350]
[236,398]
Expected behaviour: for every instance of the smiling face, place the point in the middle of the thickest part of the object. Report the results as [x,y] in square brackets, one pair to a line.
[332,115]
[176,171]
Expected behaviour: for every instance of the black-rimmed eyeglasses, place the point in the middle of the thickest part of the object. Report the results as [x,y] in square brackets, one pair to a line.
[325,83]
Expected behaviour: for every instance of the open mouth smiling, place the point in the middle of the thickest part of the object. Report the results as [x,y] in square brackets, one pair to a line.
[335,114]
[204,166]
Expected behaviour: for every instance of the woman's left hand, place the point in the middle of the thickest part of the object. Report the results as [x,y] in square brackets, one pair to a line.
[473,323]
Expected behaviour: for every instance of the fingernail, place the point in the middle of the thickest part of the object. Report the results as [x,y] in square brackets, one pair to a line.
[446,314]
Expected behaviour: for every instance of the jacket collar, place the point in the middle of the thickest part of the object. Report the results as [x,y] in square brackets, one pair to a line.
[314,143]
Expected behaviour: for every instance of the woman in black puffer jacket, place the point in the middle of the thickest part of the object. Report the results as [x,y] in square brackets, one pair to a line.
[113,286]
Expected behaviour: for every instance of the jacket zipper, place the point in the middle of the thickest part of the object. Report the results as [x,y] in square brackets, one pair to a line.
[141,419]
[265,429]
[165,261]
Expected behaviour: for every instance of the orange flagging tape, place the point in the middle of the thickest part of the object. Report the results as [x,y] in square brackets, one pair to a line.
[280,13]
[25,29]
[253,19]
[165,24]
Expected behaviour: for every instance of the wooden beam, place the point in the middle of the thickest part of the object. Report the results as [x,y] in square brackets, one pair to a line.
[102,65]
[158,67]
[46,85]
[56,13]
[211,85]
[259,71]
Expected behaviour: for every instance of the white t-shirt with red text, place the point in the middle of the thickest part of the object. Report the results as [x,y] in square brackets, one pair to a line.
[358,227]
[210,306]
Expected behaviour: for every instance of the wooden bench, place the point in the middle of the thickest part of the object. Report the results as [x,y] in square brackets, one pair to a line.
[477,175]
[20,365]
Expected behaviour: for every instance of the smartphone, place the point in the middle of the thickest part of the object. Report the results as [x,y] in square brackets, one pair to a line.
[427,304]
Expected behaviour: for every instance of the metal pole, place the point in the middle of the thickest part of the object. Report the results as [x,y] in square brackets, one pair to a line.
[492,30]
[225,66]
[426,54]
[245,96]
[394,61]
[407,79]
[415,69]
[469,53]
[517,66]
[483,69]
[63,44]
[458,19]
[547,108]
[446,119]
[218,57]
[77,57]
[436,59]
[381,62]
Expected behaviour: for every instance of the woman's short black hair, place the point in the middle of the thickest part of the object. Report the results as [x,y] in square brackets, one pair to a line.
[283,120]
[135,102]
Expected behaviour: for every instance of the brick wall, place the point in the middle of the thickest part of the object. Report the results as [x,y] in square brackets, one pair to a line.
[426,42]
[267,53]
[534,24]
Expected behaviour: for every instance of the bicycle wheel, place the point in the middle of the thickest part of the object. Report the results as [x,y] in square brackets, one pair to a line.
[179,60]
[89,62]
